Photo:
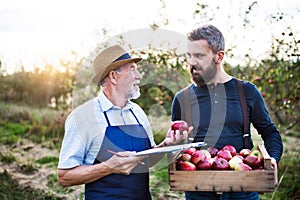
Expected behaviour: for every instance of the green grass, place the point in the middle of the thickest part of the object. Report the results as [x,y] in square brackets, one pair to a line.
[47,160]
[11,132]
[40,125]
[7,159]
[288,170]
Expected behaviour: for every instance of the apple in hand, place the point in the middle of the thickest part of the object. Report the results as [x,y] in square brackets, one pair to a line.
[180,125]
[235,161]
[187,166]
[220,164]
[204,164]
[224,153]
[242,167]
[245,152]
[213,151]
[231,149]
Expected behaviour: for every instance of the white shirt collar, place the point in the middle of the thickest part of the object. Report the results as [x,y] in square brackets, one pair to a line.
[106,104]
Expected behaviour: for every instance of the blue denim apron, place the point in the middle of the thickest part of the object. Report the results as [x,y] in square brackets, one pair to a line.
[134,186]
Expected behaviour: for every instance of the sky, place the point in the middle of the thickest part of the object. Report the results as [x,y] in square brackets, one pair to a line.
[35,32]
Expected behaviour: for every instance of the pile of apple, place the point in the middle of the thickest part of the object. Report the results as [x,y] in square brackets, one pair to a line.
[224,159]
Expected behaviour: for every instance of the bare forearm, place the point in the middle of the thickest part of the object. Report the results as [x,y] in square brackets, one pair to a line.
[122,164]
[82,174]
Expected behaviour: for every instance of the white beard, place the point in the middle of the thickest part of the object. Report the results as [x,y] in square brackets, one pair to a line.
[133,94]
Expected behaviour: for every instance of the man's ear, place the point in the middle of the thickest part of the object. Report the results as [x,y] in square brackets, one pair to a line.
[220,56]
[112,77]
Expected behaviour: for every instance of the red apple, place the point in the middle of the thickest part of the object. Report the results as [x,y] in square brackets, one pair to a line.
[220,164]
[231,149]
[253,161]
[185,157]
[179,163]
[245,152]
[205,153]
[200,155]
[257,78]
[257,153]
[242,167]
[197,156]
[190,150]
[204,164]
[180,125]
[213,151]
[187,166]
[234,161]
[224,153]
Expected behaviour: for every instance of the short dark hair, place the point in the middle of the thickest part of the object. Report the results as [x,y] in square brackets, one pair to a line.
[211,34]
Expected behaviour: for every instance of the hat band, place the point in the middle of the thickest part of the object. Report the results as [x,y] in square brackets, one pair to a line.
[123,57]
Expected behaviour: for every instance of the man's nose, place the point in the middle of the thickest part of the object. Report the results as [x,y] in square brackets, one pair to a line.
[138,75]
[192,61]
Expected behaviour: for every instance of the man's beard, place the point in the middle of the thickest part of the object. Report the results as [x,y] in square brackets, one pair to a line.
[205,76]
[133,94]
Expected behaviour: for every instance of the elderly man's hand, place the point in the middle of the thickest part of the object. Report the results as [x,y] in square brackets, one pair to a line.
[124,162]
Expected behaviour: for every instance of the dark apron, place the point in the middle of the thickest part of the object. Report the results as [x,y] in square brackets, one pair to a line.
[134,186]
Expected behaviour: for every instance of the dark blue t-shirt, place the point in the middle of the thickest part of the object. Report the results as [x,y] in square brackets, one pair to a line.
[217,116]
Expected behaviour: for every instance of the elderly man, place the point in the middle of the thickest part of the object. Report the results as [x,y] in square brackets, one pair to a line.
[110,123]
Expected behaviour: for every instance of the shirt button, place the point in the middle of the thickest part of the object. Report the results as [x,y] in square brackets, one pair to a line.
[216,101]
[216,94]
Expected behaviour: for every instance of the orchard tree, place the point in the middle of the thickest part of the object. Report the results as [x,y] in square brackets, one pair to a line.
[278,78]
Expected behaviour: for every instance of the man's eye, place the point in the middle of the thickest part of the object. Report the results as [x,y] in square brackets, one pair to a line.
[199,55]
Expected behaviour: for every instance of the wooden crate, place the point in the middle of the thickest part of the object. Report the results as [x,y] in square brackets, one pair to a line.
[224,181]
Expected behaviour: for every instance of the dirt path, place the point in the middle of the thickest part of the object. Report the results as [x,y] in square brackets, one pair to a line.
[26,153]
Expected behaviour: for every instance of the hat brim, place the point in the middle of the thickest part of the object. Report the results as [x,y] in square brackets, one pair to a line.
[100,76]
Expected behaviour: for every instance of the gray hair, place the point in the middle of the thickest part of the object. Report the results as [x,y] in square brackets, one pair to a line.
[118,70]
[211,34]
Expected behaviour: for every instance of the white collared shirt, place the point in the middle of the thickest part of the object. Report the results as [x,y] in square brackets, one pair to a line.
[85,129]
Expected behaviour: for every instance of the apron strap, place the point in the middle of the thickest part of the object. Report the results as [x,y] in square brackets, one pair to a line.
[106,118]
[135,116]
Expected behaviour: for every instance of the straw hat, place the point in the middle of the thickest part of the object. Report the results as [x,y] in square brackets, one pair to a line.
[110,59]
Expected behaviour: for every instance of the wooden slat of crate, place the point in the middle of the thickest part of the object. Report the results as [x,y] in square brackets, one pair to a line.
[222,181]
